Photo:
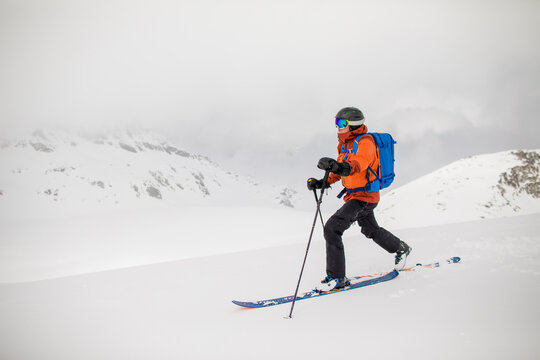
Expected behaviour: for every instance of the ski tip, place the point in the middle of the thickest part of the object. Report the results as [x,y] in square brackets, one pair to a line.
[244,304]
[256,304]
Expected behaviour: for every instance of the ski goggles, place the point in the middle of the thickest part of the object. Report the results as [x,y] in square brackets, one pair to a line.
[342,123]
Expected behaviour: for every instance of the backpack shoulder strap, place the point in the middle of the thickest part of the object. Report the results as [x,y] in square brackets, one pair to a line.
[357,140]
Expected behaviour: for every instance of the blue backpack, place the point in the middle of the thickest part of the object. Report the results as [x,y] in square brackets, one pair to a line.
[385,173]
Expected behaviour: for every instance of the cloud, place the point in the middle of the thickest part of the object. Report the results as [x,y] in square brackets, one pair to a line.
[227,78]
[413,123]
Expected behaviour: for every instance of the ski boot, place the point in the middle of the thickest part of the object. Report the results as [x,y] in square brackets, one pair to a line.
[329,283]
[401,255]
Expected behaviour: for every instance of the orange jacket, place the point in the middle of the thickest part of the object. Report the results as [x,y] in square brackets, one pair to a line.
[366,156]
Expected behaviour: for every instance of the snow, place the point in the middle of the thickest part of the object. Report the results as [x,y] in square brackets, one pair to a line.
[485,307]
[468,189]
[103,273]
[120,171]
[78,243]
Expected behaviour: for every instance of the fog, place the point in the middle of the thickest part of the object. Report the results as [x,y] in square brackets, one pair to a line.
[255,84]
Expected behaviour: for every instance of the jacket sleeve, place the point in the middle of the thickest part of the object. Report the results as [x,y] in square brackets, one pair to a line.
[333,178]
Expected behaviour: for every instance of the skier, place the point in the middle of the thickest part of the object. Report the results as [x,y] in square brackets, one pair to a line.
[351,169]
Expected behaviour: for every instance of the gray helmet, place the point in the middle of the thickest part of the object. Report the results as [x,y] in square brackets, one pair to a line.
[354,115]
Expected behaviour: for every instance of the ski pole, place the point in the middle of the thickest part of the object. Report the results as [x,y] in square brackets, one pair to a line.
[319,201]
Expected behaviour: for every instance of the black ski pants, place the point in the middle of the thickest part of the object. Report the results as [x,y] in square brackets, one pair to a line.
[351,211]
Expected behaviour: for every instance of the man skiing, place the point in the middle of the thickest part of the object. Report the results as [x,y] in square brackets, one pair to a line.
[352,169]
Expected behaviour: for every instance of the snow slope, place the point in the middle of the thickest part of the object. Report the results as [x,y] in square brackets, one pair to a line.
[42,246]
[484,308]
[479,187]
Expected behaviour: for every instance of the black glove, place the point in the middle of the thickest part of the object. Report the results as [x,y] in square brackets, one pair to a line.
[341,169]
[313,184]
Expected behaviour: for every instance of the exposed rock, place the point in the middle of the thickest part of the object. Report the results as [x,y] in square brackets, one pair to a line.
[152,146]
[171,149]
[286,196]
[199,180]
[153,192]
[51,192]
[128,147]
[41,147]
[523,178]
[98,183]
[160,178]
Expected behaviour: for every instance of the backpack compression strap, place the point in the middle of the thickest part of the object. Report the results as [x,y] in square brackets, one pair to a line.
[369,186]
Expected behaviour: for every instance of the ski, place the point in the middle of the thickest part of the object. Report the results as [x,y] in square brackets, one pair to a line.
[452,260]
[371,279]
[315,293]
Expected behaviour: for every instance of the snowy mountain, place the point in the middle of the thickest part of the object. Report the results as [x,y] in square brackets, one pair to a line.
[129,280]
[133,169]
[68,172]
[479,187]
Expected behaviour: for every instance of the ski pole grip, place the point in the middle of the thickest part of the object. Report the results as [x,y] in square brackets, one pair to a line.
[325,179]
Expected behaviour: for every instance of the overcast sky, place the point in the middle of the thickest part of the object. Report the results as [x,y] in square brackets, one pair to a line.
[263,79]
